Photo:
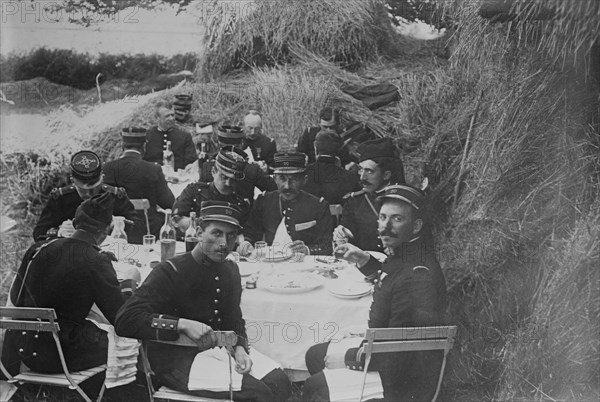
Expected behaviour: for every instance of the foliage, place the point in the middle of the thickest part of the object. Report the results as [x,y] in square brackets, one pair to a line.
[79,70]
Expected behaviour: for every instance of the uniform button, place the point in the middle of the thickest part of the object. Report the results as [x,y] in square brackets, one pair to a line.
[378,271]
[210,320]
[172,326]
[155,324]
[23,333]
[34,354]
[216,312]
[36,336]
[20,350]
[218,320]
[287,217]
[164,325]
[216,278]
[218,290]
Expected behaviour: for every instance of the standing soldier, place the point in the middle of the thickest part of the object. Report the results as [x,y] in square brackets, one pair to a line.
[87,181]
[141,179]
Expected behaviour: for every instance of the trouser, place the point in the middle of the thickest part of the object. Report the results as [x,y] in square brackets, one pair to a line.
[315,388]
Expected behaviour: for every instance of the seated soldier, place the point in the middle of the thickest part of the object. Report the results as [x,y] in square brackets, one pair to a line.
[289,215]
[227,172]
[261,147]
[68,275]
[325,177]
[87,179]
[254,177]
[379,167]
[410,290]
[141,179]
[195,294]
[166,130]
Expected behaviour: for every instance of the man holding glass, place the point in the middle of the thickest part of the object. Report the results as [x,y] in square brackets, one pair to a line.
[290,217]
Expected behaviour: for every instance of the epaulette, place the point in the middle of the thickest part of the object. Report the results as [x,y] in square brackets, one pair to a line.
[354,194]
[57,192]
[120,192]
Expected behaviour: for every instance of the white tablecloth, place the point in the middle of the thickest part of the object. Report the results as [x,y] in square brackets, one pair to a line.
[284,326]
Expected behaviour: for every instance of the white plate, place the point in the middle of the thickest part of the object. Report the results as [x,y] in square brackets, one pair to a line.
[274,254]
[248,268]
[350,296]
[291,283]
[342,288]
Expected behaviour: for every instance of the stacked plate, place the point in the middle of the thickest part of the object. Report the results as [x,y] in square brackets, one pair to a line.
[350,290]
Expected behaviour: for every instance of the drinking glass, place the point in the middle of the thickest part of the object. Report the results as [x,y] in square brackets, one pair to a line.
[261,250]
[148,242]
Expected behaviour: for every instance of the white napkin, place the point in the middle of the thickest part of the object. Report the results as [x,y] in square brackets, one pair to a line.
[345,385]
[210,371]
[248,152]
[282,238]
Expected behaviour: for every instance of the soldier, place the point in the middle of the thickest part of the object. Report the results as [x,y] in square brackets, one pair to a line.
[379,167]
[166,130]
[227,172]
[326,178]
[141,179]
[330,120]
[254,177]
[262,148]
[87,181]
[303,221]
[410,290]
[195,294]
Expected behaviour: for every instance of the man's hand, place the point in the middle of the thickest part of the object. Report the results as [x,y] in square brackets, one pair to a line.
[342,233]
[243,363]
[199,332]
[245,248]
[351,253]
[181,222]
[298,247]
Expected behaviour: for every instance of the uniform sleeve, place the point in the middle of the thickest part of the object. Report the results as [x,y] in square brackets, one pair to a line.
[148,302]
[253,229]
[270,151]
[233,319]
[348,219]
[164,195]
[107,292]
[51,217]
[184,203]
[264,182]
[189,148]
[124,207]
[304,142]
[413,300]
[324,237]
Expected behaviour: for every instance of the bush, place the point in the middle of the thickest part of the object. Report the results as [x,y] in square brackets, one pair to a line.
[79,70]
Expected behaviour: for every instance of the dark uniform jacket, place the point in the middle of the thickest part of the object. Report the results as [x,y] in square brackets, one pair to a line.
[253,177]
[263,148]
[360,214]
[69,275]
[63,203]
[307,218]
[192,196]
[182,146]
[306,144]
[141,179]
[410,291]
[328,180]
[208,292]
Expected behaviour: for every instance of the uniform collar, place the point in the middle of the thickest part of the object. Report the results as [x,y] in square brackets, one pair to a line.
[160,130]
[328,159]
[132,153]
[86,237]
[407,248]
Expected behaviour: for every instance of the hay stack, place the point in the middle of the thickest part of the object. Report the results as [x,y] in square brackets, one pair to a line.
[261,32]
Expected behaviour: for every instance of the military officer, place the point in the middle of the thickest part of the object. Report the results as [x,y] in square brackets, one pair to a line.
[165,130]
[410,290]
[254,176]
[290,214]
[326,178]
[87,181]
[141,179]
[227,172]
[379,167]
[263,148]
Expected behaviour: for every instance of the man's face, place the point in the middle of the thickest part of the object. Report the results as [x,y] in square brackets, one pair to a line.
[397,223]
[289,185]
[86,190]
[224,183]
[252,126]
[372,177]
[217,240]
[166,118]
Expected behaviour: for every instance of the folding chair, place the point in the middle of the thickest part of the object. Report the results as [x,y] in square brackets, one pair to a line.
[44,320]
[385,340]
[336,210]
[226,339]
[142,204]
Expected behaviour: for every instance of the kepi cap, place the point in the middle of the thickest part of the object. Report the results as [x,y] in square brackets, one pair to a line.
[133,135]
[404,193]
[289,162]
[379,148]
[86,167]
[95,214]
[230,135]
[221,211]
[232,161]
[328,142]
[326,120]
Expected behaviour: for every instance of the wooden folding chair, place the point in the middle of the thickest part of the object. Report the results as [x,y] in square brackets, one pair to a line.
[226,339]
[336,210]
[44,320]
[142,204]
[386,340]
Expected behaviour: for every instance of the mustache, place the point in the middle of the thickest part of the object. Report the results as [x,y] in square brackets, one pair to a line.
[387,232]
[364,183]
